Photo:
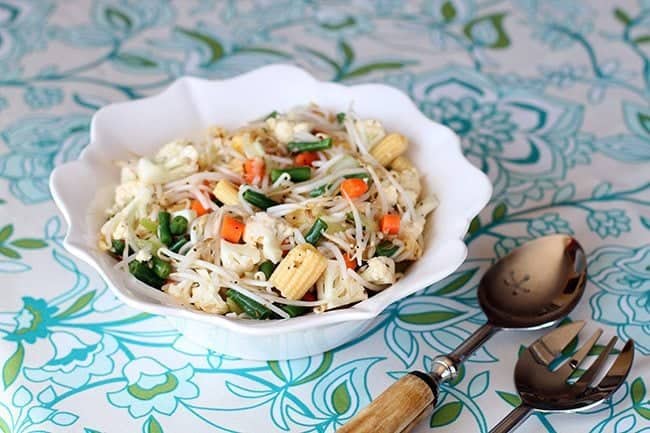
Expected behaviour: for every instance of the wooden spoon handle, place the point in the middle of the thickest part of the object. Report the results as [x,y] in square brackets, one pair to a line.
[425,413]
[398,408]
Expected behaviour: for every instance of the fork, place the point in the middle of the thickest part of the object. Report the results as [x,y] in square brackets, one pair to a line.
[546,389]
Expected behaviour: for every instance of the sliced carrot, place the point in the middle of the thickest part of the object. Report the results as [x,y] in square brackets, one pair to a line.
[350,263]
[354,188]
[253,169]
[305,158]
[232,229]
[197,207]
[389,224]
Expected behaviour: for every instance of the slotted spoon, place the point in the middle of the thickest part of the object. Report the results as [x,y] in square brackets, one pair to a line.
[556,390]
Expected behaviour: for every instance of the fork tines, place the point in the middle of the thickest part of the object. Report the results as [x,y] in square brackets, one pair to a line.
[618,369]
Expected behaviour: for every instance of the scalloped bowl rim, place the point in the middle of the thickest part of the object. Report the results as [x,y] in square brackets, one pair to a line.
[368,309]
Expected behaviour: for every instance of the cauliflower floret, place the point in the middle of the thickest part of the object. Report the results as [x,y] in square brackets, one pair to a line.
[302,127]
[175,160]
[427,205]
[205,295]
[128,188]
[410,233]
[198,228]
[261,229]
[380,270]
[253,149]
[338,290]
[239,258]
[127,174]
[209,152]
[124,193]
[283,131]
[117,227]
[181,290]
[144,255]
[409,179]
[390,193]
[176,153]
[271,122]
[372,129]
[243,143]
[120,231]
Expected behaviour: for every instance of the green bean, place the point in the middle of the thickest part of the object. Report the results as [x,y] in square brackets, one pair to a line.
[340,117]
[178,244]
[317,192]
[259,200]
[234,307]
[309,146]
[253,309]
[161,267]
[164,233]
[386,249]
[296,174]
[117,246]
[145,274]
[294,310]
[357,176]
[267,269]
[178,225]
[316,231]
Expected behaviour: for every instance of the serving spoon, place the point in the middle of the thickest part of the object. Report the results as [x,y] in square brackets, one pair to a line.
[533,287]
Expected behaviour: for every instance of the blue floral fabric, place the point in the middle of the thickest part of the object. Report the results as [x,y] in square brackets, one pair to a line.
[551,99]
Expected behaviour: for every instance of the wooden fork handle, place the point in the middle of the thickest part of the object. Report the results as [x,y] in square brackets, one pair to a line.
[398,409]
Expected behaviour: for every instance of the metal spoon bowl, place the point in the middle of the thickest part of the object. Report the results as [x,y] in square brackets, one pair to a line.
[534,286]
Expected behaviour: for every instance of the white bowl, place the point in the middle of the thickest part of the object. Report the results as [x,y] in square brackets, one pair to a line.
[83,190]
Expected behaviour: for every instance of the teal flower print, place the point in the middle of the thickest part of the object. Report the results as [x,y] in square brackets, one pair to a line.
[36,145]
[337,24]
[505,245]
[114,21]
[484,127]
[622,276]
[609,223]
[186,347]
[550,18]
[435,319]
[548,224]
[207,52]
[22,30]
[3,103]
[32,321]
[43,97]
[449,10]
[128,17]
[75,362]
[633,147]
[152,387]
[337,396]
[525,140]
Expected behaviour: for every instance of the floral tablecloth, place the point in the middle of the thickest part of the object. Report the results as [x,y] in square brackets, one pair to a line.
[551,99]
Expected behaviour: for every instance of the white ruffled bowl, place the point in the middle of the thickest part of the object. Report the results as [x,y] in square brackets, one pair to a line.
[83,189]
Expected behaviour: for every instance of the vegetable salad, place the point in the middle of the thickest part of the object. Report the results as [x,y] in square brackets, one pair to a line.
[299,212]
